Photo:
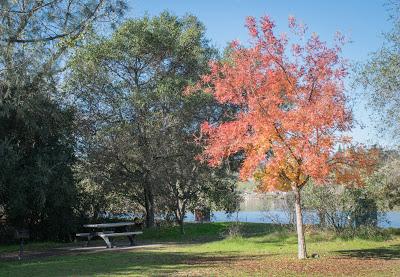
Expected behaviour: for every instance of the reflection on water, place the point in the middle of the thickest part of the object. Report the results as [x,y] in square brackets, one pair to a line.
[390,219]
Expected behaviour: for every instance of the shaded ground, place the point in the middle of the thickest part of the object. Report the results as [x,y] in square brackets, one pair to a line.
[99,247]
[386,253]
[263,250]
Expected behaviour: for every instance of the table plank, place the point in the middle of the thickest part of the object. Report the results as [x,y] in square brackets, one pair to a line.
[109,225]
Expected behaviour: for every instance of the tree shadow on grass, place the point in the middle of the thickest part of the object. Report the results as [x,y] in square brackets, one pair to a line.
[384,253]
[271,232]
[134,263]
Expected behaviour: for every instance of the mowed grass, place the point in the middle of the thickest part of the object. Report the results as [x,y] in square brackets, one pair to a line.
[208,250]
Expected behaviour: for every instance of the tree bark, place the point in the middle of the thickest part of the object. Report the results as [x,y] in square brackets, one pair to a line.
[181,226]
[180,216]
[149,206]
[322,218]
[302,253]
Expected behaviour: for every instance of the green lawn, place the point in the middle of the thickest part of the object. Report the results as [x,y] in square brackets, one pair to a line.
[207,250]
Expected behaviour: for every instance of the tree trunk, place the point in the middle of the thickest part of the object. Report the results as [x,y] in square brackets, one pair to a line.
[149,206]
[180,216]
[181,227]
[302,253]
[322,218]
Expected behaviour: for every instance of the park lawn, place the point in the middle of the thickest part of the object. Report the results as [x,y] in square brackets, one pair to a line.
[206,250]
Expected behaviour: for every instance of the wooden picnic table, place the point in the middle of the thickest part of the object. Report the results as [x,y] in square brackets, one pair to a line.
[108,231]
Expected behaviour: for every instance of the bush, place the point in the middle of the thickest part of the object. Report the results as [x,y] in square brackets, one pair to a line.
[6,234]
[37,187]
[366,233]
[339,208]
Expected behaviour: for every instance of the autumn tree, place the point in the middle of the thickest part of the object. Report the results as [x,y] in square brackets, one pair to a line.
[291,109]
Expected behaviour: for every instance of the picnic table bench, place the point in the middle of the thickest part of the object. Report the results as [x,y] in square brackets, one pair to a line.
[107,235]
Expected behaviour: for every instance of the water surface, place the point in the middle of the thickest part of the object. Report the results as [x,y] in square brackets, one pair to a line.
[389,219]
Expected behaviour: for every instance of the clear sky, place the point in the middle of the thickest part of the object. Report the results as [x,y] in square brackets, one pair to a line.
[363,21]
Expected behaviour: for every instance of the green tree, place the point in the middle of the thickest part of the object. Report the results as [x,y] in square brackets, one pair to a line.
[385,182]
[37,189]
[381,77]
[36,34]
[340,207]
[136,124]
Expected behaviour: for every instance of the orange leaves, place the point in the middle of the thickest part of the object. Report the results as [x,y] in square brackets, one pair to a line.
[352,165]
[251,25]
[290,101]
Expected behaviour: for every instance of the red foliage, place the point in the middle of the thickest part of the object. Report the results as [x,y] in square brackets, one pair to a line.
[291,103]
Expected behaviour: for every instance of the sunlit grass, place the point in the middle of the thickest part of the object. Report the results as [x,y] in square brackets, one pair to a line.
[206,249]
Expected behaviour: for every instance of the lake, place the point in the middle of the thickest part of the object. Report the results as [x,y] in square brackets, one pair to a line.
[390,219]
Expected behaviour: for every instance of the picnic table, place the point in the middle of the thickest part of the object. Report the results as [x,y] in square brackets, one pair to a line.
[107,231]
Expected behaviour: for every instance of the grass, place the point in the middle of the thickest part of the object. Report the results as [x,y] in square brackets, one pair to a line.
[31,246]
[206,250]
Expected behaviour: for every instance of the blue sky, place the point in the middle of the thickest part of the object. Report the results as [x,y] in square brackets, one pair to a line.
[363,21]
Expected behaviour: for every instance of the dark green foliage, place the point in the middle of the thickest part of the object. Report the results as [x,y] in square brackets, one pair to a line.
[37,189]
[365,208]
